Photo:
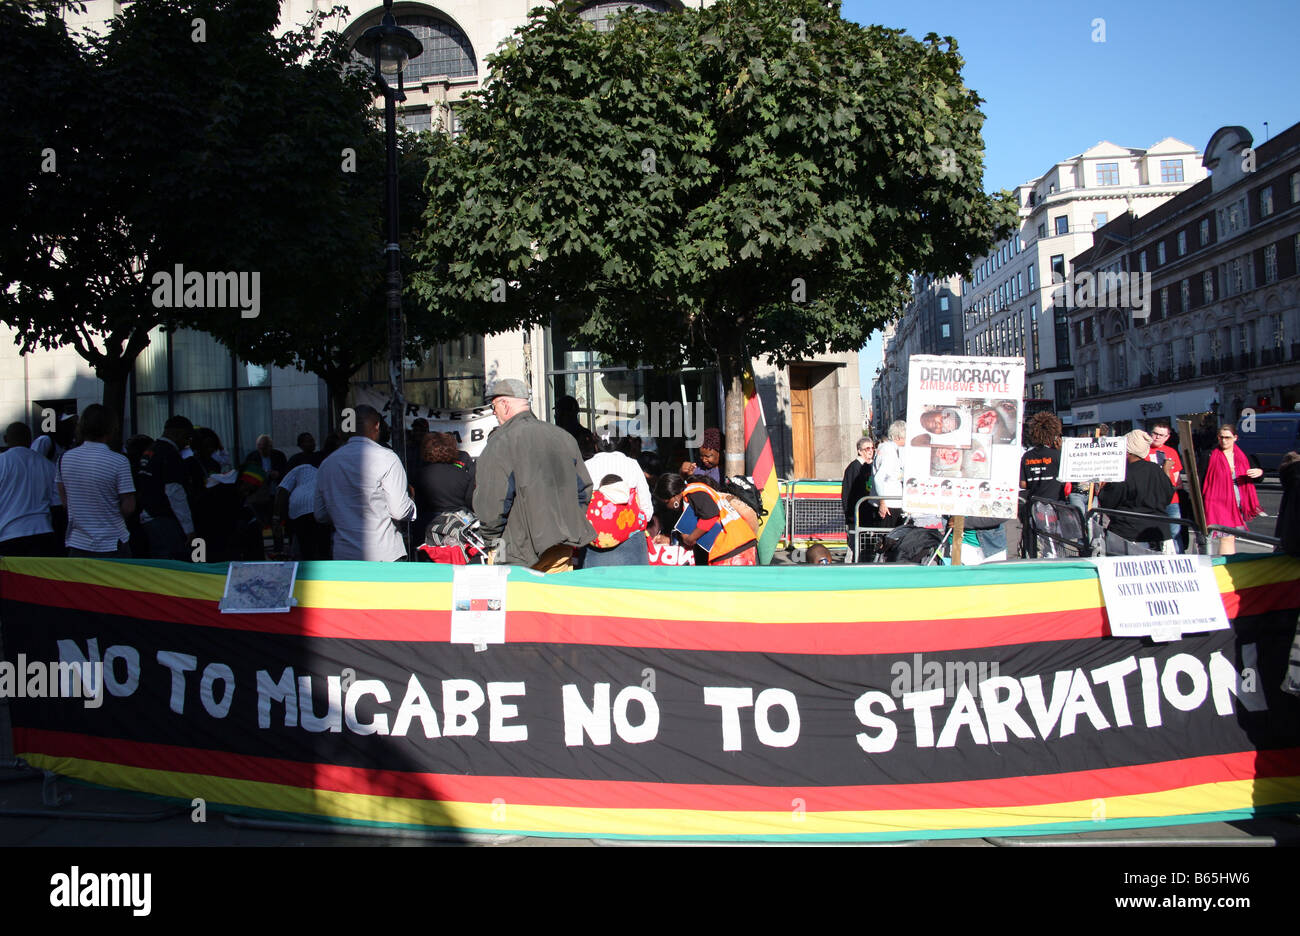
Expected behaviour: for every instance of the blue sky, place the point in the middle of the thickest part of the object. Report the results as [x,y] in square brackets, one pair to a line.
[1180,68]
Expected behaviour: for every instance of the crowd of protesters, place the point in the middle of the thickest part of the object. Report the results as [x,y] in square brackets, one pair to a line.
[1154,474]
[548,496]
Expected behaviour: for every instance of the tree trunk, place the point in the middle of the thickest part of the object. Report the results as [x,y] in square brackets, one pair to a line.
[336,385]
[114,375]
[731,366]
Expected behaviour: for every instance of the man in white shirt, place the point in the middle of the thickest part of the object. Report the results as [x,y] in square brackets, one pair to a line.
[295,501]
[95,483]
[362,490]
[26,491]
[888,474]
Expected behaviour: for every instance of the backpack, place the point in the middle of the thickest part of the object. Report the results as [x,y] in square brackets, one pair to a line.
[743,489]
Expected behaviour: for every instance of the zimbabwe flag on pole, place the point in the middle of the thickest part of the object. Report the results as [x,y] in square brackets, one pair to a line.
[760,466]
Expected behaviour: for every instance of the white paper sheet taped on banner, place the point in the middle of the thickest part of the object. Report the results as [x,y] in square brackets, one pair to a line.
[963,435]
[1162,597]
[259,588]
[478,605]
[1101,459]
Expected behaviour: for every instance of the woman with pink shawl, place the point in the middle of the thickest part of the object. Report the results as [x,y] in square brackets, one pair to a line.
[1228,484]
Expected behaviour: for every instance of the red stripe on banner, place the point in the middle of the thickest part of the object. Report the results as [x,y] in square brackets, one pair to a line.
[633,794]
[352,624]
[434,625]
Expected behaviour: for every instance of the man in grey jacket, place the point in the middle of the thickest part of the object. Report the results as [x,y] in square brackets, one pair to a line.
[532,486]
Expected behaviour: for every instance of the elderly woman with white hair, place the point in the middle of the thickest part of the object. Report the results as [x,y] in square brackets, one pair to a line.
[887,477]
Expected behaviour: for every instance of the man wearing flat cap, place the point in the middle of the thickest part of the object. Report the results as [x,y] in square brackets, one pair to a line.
[532,487]
[1145,489]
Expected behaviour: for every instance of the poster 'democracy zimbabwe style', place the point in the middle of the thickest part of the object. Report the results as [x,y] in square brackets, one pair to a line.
[963,435]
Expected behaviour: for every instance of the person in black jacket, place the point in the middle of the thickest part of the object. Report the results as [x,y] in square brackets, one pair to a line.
[857,485]
[1145,489]
[444,481]
[1288,513]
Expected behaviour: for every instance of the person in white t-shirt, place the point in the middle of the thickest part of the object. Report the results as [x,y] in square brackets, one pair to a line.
[26,491]
[96,485]
[887,476]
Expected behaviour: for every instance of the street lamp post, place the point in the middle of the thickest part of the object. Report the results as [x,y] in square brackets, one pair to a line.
[390,46]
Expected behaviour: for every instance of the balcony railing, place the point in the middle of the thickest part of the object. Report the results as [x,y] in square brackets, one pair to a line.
[1165,375]
[1186,371]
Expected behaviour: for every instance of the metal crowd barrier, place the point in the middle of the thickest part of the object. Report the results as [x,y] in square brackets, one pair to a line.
[868,541]
[1098,531]
[1058,529]
[816,515]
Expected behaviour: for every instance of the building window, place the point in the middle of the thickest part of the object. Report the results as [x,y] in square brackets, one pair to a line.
[1171,170]
[1142,261]
[417,120]
[1295,188]
[1020,285]
[1033,338]
[1185,294]
[1182,243]
[607,396]
[1108,173]
[1160,254]
[1099,219]
[448,376]
[1042,229]
[1031,276]
[1235,282]
[1207,284]
[1266,201]
[601,14]
[943,303]
[447,51]
[944,330]
[1164,302]
[188,373]
[1064,394]
[1270,263]
[1063,224]
[1205,231]
[1058,268]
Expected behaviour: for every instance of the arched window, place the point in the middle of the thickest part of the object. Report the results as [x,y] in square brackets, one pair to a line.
[601,13]
[447,52]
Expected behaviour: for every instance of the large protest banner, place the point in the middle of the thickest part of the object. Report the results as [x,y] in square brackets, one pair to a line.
[815,705]
[963,435]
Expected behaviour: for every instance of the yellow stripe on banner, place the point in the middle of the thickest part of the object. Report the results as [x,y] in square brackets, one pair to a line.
[584,821]
[760,606]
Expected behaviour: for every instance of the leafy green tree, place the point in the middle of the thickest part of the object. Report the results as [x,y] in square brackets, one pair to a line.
[755,178]
[190,134]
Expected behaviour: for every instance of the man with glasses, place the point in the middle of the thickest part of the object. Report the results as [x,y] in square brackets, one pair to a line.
[1167,458]
[857,485]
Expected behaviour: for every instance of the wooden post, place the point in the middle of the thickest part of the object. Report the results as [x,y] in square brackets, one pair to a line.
[1193,475]
[958,531]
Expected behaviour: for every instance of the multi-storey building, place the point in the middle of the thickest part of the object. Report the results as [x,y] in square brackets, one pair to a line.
[931,323]
[1007,298]
[1220,329]
[813,406]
